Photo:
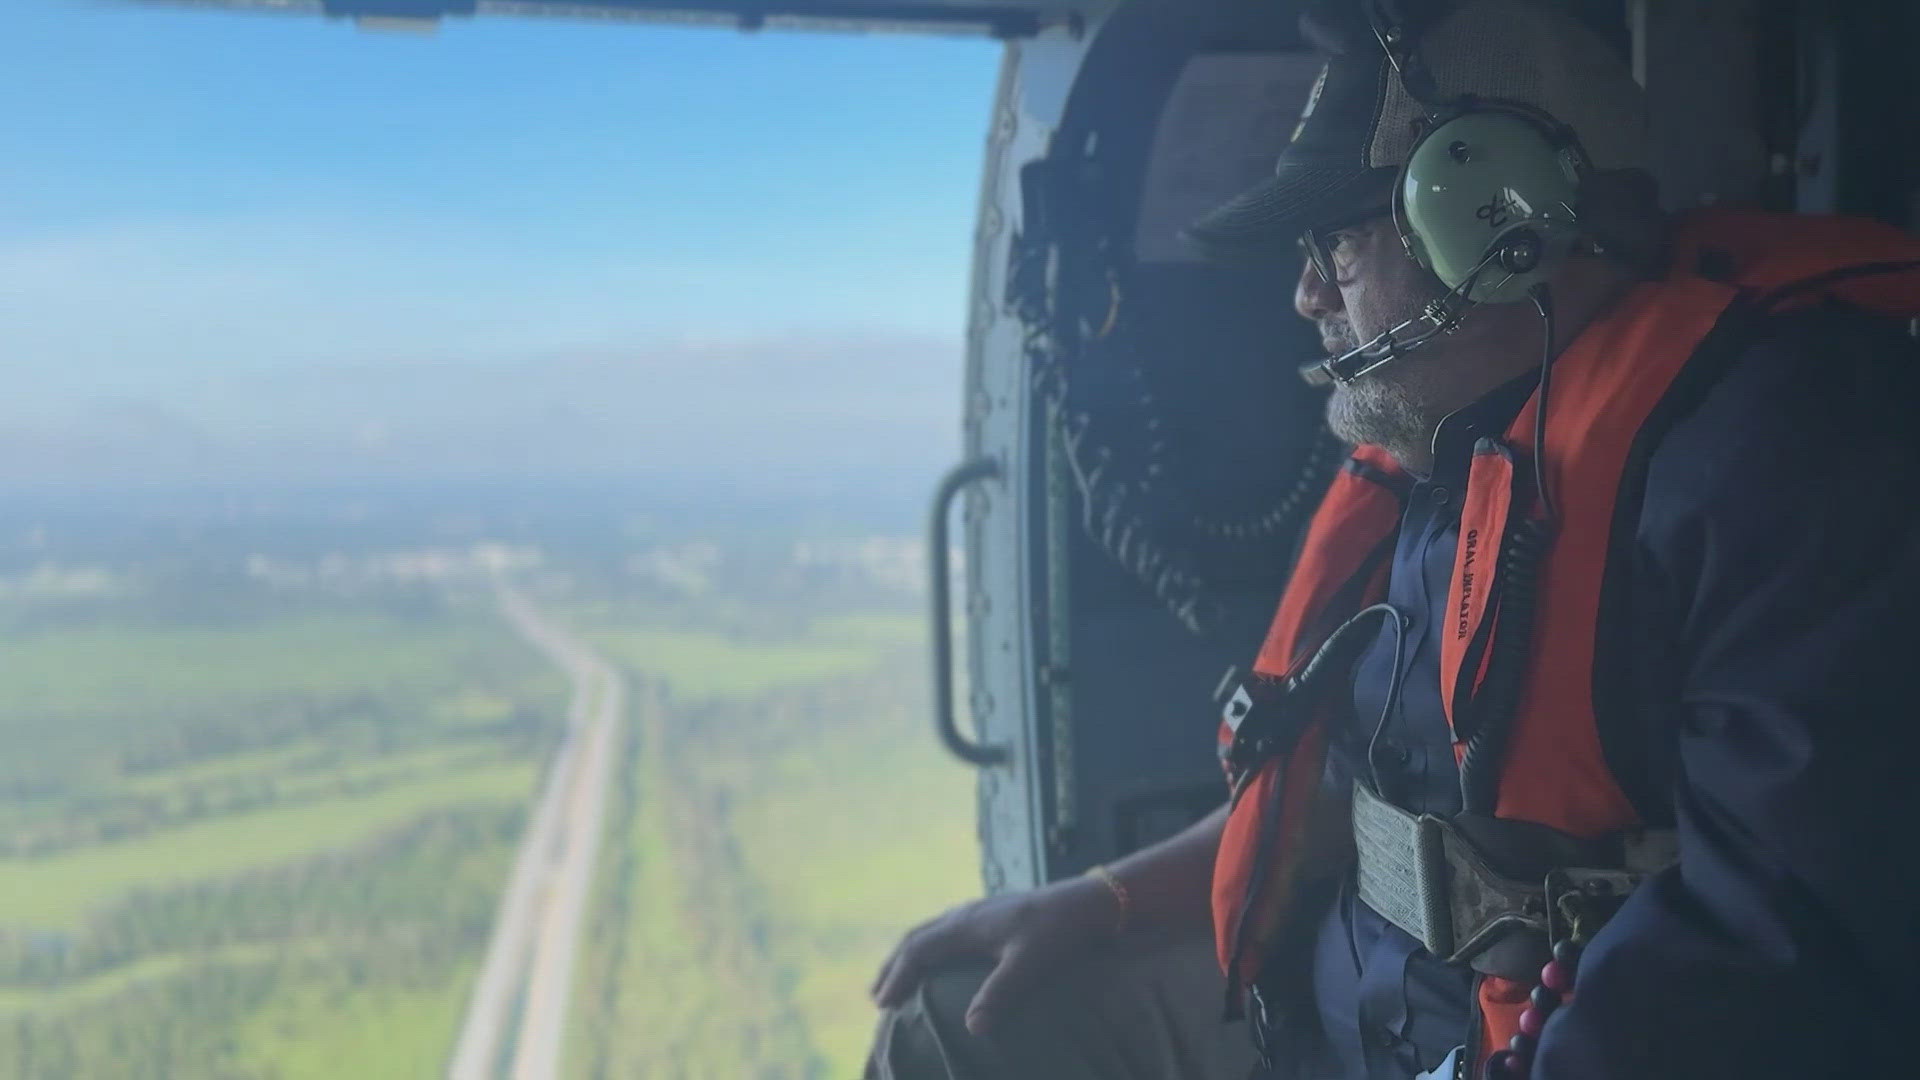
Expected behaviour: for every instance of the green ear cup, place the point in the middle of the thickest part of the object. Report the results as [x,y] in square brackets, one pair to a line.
[1491,181]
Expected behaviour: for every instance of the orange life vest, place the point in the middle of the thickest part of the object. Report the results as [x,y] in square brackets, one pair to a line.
[1614,391]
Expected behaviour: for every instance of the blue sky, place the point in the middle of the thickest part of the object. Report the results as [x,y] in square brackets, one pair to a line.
[271,238]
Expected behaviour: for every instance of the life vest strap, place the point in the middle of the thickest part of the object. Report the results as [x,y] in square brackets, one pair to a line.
[1479,892]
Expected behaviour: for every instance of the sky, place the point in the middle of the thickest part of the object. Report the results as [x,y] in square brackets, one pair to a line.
[243,244]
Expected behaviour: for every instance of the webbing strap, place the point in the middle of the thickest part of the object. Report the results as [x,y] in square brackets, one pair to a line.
[1401,870]
[1423,875]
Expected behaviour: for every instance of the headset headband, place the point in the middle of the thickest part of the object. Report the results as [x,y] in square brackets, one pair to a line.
[1398,35]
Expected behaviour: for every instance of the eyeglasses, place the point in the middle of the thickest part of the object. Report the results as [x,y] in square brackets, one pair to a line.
[1317,243]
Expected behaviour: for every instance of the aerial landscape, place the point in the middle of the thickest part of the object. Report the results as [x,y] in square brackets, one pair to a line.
[461,603]
[266,806]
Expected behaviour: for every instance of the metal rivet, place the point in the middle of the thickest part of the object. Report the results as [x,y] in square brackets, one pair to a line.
[1459,152]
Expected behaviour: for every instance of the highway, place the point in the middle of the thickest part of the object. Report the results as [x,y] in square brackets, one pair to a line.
[516,1017]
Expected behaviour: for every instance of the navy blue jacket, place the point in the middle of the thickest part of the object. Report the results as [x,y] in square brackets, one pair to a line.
[1773,624]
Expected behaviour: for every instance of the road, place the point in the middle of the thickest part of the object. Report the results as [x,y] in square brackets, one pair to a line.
[516,1016]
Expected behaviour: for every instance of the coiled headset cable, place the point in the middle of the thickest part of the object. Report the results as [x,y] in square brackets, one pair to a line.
[1522,558]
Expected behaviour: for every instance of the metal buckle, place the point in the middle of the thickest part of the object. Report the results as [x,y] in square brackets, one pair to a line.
[1499,923]
[1428,878]
[1423,876]
[1579,900]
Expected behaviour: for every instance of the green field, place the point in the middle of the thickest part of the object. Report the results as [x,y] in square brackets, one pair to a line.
[785,815]
[383,1033]
[58,892]
[698,665]
[269,842]
[263,844]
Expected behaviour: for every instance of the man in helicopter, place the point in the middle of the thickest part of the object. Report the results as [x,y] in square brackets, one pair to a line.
[1578,746]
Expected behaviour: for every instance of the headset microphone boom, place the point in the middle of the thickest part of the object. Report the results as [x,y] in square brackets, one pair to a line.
[1486,201]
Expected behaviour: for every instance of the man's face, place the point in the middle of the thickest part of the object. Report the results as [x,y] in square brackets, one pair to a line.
[1376,287]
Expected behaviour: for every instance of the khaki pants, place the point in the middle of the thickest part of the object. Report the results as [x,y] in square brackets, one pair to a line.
[1147,1010]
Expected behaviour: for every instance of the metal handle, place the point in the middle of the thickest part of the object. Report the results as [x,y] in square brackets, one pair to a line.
[967,472]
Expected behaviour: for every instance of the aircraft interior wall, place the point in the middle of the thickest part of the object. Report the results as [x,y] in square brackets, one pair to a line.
[1187,451]
[1180,435]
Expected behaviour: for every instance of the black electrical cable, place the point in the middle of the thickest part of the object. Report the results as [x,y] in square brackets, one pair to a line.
[1335,653]
[1399,624]
[1499,698]
[1338,653]
[1130,504]
[1542,299]
[1521,558]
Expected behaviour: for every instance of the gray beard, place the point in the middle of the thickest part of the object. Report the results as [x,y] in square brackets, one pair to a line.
[1389,408]
[1373,409]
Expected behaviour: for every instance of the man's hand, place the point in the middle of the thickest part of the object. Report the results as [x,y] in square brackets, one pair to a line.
[1024,933]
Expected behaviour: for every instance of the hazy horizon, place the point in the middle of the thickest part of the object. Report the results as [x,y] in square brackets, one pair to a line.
[763,417]
[249,248]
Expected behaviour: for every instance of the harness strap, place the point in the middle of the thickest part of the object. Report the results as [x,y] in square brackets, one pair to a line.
[1478,892]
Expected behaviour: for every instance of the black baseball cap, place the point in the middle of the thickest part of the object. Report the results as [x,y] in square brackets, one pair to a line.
[1360,124]
[1324,174]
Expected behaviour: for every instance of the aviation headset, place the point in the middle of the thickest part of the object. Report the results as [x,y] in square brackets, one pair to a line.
[1487,201]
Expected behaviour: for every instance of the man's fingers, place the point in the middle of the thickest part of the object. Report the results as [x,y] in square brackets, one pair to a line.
[919,951]
[886,966]
[900,949]
[1002,987]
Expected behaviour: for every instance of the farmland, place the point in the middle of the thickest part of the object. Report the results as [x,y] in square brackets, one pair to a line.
[261,840]
[259,827]
[772,840]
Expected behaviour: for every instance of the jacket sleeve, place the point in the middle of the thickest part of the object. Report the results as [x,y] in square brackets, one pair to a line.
[1782,529]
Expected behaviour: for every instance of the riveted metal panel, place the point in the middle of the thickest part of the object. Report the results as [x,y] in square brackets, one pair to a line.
[1005,659]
